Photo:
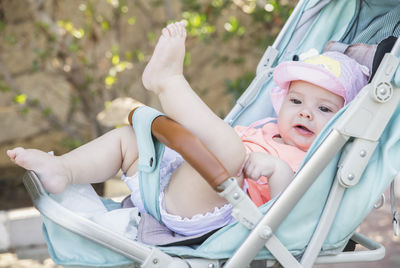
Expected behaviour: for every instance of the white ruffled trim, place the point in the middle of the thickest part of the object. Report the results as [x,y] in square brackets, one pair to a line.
[199,223]
[170,161]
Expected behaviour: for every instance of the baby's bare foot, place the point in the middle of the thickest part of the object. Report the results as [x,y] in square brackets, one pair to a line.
[167,59]
[49,168]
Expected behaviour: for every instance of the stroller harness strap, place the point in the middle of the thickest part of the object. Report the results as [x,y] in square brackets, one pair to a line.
[151,152]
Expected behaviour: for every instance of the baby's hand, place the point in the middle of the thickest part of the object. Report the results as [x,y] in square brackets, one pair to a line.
[259,164]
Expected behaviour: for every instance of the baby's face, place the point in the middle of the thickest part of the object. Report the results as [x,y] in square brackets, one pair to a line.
[304,112]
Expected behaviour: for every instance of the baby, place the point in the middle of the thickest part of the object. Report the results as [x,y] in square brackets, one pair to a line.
[309,93]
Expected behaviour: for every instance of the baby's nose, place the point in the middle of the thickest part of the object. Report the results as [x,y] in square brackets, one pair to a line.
[306,114]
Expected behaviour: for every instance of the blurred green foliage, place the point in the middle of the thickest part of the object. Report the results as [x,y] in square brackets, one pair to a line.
[237,86]
[71,45]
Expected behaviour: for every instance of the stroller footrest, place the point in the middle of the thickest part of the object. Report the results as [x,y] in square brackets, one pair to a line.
[375,252]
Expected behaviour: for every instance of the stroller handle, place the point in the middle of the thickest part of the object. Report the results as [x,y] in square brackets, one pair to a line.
[178,138]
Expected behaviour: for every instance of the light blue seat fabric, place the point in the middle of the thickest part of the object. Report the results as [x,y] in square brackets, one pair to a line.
[67,248]
[150,154]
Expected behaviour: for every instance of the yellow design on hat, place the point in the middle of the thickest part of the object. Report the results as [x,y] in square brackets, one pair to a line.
[328,63]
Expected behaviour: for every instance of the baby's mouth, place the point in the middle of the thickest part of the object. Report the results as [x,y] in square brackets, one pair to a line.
[303,130]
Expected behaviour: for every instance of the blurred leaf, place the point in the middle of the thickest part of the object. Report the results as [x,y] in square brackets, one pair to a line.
[35,65]
[151,37]
[115,59]
[122,66]
[2,25]
[237,86]
[128,55]
[20,98]
[132,20]
[238,60]
[47,111]
[71,144]
[79,33]
[73,47]
[33,103]
[105,25]
[191,5]
[11,39]
[68,26]
[188,59]
[82,7]
[197,24]
[42,54]
[233,28]
[84,60]
[25,110]
[113,3]
[107,104]
[4,87]
[217,3]
[139,55]
[110,80]
[75,101]
[124,9]
[156,3]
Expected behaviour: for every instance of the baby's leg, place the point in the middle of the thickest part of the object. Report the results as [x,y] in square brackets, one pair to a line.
[93,162]
[164,76]
[187,193]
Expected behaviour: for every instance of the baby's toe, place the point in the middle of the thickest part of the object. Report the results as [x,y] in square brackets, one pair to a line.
[165,32]
[183,22]
[172,29]
[15,152]
[180,29]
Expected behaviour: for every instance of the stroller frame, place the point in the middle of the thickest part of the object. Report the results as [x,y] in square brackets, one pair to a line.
[378,99]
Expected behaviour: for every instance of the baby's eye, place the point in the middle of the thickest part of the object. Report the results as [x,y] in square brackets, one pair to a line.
[295,101]
[325,109]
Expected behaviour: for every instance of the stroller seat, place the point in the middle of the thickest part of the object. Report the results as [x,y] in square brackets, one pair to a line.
[349,165]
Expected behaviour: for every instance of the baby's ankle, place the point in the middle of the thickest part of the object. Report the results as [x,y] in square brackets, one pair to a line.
[66,170]
[172,83]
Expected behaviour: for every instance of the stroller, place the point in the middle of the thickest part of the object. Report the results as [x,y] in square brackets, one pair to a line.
[343,175]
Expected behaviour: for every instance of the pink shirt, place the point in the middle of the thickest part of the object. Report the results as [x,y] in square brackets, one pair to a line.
[262,140]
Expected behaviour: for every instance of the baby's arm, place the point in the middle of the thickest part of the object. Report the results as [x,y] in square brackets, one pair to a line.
[278,171]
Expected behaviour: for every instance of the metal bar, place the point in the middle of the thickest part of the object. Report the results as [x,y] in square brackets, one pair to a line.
[324,225]
[289,198]
[243,209]
[304,179]
[295,12]
[375,252]
[281,253]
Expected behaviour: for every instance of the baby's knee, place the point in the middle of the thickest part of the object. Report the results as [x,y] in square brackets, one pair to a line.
[129,149]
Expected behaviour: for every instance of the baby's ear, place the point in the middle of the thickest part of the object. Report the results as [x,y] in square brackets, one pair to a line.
[328,46]
[362,53]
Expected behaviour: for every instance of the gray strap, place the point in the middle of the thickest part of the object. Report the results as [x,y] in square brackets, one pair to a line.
[394,210]
[339,47]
